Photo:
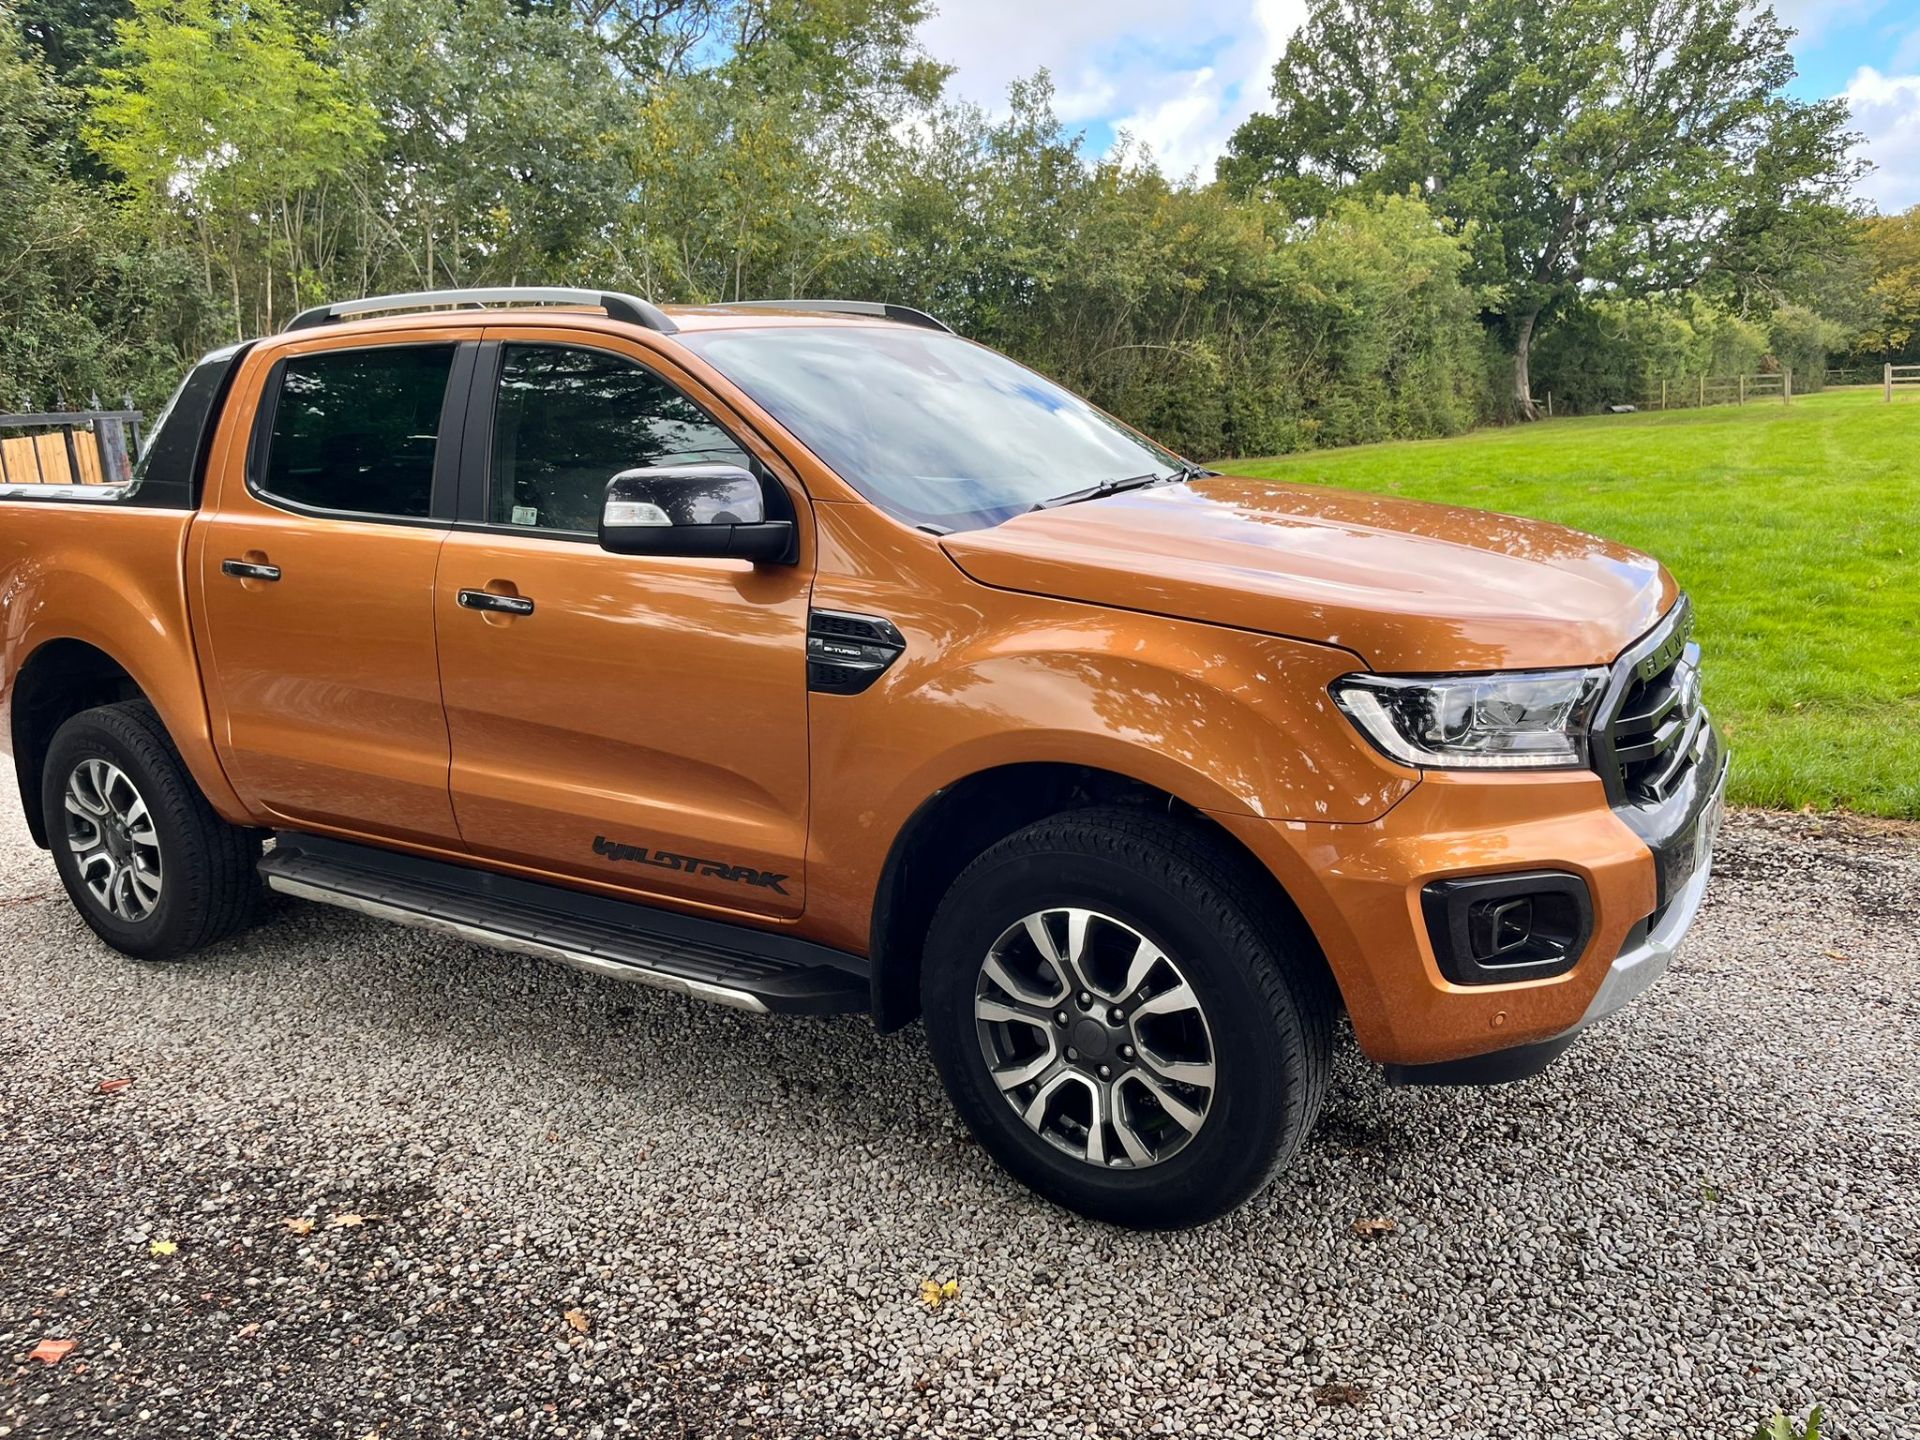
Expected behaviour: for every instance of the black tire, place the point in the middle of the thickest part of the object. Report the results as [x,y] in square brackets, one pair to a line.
[1268,1009]
[208,886]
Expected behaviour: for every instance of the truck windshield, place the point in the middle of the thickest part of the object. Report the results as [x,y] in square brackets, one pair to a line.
[933,429]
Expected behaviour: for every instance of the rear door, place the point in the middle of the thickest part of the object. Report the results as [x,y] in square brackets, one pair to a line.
[643,723]
[314,563]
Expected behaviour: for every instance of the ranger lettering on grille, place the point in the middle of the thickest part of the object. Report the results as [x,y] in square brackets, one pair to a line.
[689,864]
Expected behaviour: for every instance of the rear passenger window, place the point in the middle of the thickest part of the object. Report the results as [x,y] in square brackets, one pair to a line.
[355,430]
[569,420]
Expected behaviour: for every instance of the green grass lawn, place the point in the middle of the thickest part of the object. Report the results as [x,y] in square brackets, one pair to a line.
[1796,528]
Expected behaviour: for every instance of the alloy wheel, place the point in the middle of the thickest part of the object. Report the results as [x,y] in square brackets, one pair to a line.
[1095,1038]
[112,836]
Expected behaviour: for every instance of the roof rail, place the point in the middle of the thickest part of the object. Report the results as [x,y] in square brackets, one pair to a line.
[630,308]
[880,309]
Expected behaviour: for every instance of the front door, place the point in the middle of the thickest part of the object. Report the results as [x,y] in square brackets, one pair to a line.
[634,721]
[314,562]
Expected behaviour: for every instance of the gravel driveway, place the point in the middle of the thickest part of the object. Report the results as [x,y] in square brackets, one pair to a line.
[587,1209]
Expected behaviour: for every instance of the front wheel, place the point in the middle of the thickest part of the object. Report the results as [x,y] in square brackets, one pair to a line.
[143,857]
[1121,1023]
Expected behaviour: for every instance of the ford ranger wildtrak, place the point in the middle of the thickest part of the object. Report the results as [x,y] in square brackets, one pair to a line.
[806,657]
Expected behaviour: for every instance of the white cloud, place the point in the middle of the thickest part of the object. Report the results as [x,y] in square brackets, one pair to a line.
[1178,78]
[1886,111]
[1189,128]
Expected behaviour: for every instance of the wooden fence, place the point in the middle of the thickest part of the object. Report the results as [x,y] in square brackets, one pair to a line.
[70,447]
[1702,390]
[1897,375]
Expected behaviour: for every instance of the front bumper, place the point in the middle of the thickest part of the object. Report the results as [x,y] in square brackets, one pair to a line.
[1631,974]
[1359,889]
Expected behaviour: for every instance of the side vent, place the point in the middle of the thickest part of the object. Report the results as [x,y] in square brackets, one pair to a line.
[847,653]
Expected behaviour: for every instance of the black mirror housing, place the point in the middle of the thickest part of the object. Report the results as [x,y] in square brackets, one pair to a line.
[707,511]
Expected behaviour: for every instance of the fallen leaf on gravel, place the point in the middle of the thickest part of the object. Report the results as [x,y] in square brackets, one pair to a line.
[1340,1393]
[299,1224]
[1835,955]
[342,1222]
[114,1087]
[50,1352]
[1374,1228]
[933,1294]
[162,1247]
[577,1320]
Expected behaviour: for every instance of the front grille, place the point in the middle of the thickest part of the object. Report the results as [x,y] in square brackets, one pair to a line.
[1652,728]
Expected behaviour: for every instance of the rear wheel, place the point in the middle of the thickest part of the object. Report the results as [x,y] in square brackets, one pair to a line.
[144,859]
[1120,1023]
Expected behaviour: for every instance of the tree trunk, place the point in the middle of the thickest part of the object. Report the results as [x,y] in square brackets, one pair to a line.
[1522,352]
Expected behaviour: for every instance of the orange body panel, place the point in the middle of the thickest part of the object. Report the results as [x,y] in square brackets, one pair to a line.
[1406,585]
[1359,888]
[1183,637]
[323,686]
[115,582]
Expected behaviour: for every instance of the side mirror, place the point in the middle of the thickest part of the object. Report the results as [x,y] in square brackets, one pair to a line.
[711,511]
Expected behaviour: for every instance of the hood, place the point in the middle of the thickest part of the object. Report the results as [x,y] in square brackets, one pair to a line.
[1408,586]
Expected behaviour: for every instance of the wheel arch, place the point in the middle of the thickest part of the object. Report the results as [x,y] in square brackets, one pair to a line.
[61,678]
[955,824]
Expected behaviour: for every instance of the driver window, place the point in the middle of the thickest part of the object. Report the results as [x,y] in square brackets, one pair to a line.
[567,421]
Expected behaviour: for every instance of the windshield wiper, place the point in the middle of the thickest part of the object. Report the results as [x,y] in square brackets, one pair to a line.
[1104,489]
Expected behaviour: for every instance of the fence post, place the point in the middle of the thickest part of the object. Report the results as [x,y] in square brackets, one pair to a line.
[1743,389]
[1887,380]
[1703,392]
[33,445]
[1786,386]
[1549,404]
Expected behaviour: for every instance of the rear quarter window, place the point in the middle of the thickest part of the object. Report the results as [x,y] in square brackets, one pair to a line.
[356,431]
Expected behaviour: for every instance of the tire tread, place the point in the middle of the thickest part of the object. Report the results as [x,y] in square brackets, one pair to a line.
[1219,886]
[213,860]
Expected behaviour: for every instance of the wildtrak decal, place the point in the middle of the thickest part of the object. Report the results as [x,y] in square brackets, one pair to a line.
[689,864]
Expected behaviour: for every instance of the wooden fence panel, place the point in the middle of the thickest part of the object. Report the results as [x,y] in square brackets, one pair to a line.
[89,448]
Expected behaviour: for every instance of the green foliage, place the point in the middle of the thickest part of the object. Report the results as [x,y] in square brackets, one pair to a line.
[60,242]
[242,158]
[1618,352]
[1800,341]
[1892,331]
[221,119]
[1628,144]
[1784,1427]
[502,145]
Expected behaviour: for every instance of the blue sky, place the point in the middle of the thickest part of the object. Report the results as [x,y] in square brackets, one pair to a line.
[1179,77]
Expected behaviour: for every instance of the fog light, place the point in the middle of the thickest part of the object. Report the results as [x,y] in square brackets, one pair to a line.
[1491,929]
[1499,927]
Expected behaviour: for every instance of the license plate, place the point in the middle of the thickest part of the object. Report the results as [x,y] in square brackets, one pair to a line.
[1687,853]
[1708,830]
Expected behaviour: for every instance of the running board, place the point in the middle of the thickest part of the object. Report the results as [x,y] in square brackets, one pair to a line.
[708,959]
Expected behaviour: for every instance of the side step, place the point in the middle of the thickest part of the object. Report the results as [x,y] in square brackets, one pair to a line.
[709,959]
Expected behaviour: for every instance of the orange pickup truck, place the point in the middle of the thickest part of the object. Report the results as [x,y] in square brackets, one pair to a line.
[807,657]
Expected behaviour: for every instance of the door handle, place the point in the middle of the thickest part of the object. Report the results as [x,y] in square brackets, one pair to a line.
[503,604]
[248,570]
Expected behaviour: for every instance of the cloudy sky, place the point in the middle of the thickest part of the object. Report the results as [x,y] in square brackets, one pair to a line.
[1180,77]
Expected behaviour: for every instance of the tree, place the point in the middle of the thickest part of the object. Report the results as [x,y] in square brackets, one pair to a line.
[761,173]
[1893,241]
[88,302]
[1624,145]
[504,144]
[223,118]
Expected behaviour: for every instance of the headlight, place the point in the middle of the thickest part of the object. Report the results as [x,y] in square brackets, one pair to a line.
[1532,720]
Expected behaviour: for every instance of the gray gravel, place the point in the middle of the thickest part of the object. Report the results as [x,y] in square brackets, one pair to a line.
[1709,1211]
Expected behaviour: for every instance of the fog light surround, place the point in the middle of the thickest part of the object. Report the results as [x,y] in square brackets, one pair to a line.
[1497,929]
